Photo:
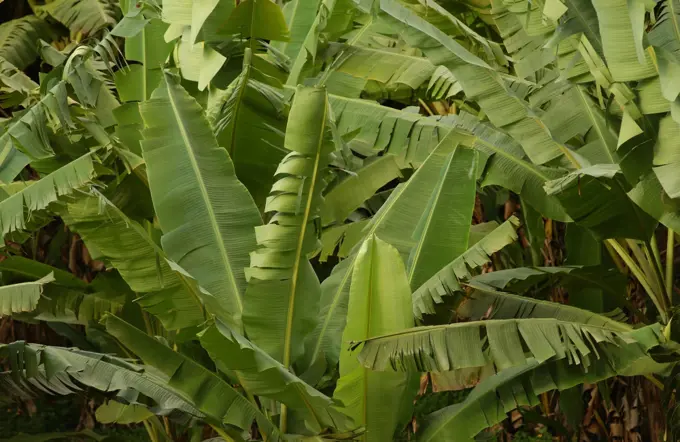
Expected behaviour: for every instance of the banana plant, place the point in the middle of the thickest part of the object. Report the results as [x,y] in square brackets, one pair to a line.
[267,223]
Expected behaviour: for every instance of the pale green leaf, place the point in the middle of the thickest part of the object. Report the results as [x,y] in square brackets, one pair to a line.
[379,302]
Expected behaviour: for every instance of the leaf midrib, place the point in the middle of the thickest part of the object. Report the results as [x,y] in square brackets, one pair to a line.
[206,198]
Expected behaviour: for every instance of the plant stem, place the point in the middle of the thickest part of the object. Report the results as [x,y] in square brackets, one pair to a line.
[657,254]
[150,431]
[283,420]
[223,434]
[640,276]
[669,264]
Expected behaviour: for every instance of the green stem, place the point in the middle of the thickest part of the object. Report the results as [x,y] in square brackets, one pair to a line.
[657,255]
[150,431]
[283,421]
[223,434]
[669,264]
[637,272]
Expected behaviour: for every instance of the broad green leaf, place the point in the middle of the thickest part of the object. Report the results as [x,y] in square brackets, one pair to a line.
[22,297]
[37,195]
[618,41]
[447,280]
[283,290]
[249,120]
[257,19]
[150,49]
[666,156]
[379,302]
[211,394]
[188,171]
[595,197]
[373,128]
[350,192]
[261,375]
[109,234]
[443,230]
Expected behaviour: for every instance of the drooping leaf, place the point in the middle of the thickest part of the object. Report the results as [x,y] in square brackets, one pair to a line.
[353,190]
[473,344]
[595,197]
[447,280]
[262,375]
[379,302]
[81,16]
[188,171]
[283,290]
[210,394]
[22,297]
[521,386]
[37,195]
[109,234]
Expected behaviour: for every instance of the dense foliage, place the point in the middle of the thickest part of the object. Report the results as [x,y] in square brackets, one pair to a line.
[309,219]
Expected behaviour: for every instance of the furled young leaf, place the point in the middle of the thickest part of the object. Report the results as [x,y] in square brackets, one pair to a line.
[22,297]
[262,375]
[37,195]
[109,234]
[249,120]
[210,393]
[379,302]
[486,302]
[188,171]
[283,290]
[447,279]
